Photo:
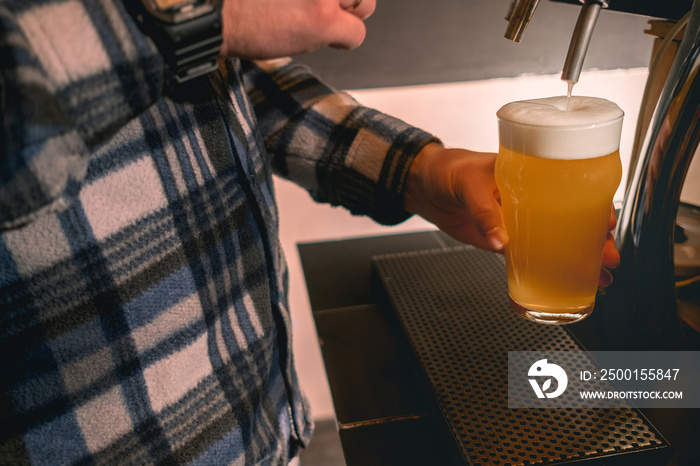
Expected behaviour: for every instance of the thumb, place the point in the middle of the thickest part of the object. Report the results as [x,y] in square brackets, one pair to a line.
[489,222]
[482,203]
[497,237]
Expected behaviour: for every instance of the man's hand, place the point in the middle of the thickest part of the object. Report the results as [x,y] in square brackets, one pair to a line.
[455,189]
[259,29]
[611,256]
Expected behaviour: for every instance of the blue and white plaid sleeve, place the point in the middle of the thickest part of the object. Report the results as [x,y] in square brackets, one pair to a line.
[342,152]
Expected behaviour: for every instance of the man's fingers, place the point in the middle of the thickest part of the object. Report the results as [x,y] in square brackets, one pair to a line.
[612,221]
[605,279]
[611,259]
[348,34]
[611,256]
[363,9]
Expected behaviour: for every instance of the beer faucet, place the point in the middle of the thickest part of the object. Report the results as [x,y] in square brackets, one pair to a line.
[583,31]
[518,17]
[520,13]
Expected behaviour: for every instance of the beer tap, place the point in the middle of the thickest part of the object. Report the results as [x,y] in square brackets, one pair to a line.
[520,13]
[580,40]
[518,17]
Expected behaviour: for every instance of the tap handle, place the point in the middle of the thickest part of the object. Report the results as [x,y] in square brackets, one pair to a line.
[581,38]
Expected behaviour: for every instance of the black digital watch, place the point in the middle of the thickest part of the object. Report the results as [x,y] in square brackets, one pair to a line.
[186,32]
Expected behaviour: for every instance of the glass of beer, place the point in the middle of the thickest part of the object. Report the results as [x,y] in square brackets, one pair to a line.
[557,171]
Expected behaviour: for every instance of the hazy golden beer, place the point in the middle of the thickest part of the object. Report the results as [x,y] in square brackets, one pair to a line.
[557,171]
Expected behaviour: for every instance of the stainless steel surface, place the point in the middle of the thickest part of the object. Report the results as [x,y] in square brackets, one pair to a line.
[640,305]
[518,17]
[452,305]
[580,39]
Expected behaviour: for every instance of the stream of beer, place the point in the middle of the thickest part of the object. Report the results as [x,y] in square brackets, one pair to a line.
[570,85]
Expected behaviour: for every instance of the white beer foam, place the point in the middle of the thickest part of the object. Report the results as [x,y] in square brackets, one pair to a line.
[561,128]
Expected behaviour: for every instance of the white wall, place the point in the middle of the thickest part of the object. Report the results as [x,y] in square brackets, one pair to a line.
[462,115]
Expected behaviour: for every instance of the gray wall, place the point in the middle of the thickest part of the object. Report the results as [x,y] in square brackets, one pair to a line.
[435,41]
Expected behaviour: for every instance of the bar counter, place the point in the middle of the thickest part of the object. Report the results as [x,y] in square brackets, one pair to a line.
[384,412]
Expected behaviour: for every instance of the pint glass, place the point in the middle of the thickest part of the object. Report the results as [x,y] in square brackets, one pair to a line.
[557,171]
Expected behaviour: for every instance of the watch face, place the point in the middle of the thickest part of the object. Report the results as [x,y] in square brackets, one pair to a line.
[167,4]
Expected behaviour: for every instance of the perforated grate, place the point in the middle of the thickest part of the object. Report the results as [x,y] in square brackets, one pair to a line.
[453,307]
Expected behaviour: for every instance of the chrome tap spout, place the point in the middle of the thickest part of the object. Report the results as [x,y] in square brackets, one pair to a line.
[519,16]
[580,39]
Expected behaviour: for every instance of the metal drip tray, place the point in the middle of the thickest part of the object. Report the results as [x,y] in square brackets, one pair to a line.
[452,305]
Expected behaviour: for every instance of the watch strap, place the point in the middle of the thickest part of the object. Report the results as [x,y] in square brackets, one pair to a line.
[194,46]
[190,46]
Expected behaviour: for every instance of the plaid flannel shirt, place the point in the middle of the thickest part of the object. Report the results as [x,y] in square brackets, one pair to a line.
[143,312]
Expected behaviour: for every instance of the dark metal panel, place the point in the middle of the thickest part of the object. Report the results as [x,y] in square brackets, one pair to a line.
[667,9]
[369,375]
[346,280]
[406,442]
